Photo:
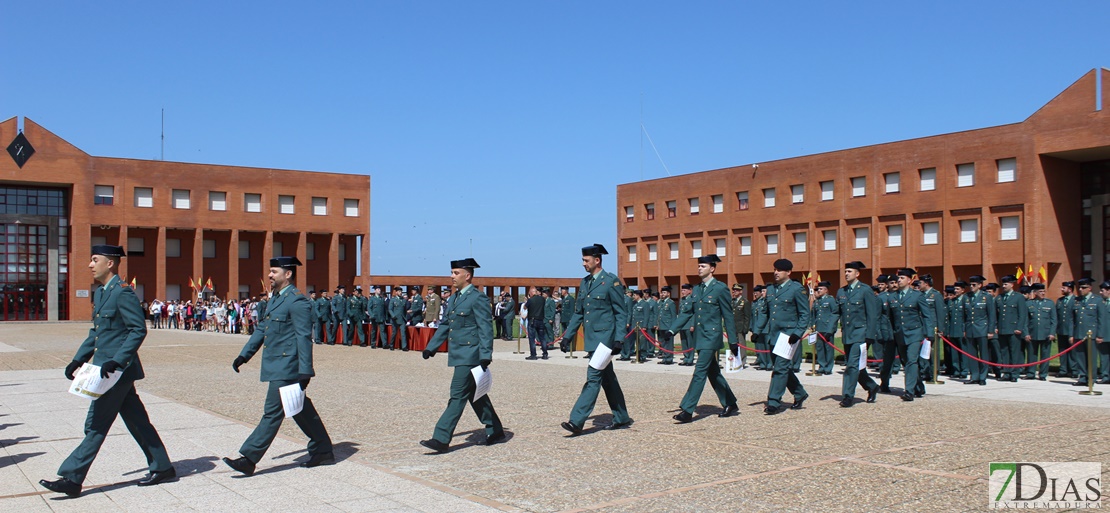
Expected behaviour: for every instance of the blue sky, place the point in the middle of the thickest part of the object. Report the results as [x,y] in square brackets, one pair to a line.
[510,124]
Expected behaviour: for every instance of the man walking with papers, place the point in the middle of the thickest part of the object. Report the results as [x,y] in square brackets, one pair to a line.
[600,309]
[119,328]
[859,311]
[914,323]
[712,306]
[286,360]
[787,319]
[468,331]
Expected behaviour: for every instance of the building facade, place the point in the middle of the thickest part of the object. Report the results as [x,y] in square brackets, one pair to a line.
[987,201]
[188,229]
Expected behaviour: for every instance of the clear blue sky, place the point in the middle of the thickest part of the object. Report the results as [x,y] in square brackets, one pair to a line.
[511,123]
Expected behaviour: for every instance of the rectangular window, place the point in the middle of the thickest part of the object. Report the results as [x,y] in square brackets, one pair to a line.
[928,178]
[319,206]
[892,181]
[894,235]
[173,292]
[285,204]
[672,248]
[930,233]
[745,246]
[718,203]
[631,253]
[694,206]
[768,198]
[797,193]
[279,249]
[653,252]
[173,248]
[720,245]
[1009,226]
[144,197]
[742,200]
[104,195]
[181,199]
[252,202]
[827,191]
[209,248]
[969,229]
[830,239]
[350,207]
[650,209]
[98,241]
[136,246]
[859,186]
[342,252]
[217,200]
[862,236]
[1007,170]
[695,249]
[244,291]
[799,242]
[672,208]
[244,249]
[310,251]
[772,244]
[965,175]
[629,214]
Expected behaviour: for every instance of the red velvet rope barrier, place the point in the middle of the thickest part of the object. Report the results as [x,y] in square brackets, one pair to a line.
[1010,365]
[656,344]
[841,351]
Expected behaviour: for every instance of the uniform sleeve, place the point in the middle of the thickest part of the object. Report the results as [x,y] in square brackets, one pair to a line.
[940,312]
[928,317]
[620,314]
[725,303]
[302,326]
[1052,319]
[801,302]
[1023,316]
[992,315]
[133,319]
[683,321]
[484,317]
[873,308]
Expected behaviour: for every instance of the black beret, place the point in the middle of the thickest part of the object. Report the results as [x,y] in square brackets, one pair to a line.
[594,250]
[1069,284]
[687,286]
[882,278]
[824,284]
[666,288]
[949,289]
[927,278]
[758,288]
[108,250]
[874,288]
[709,259]
[909,273]
[857,265]
[1009,278]
[1037,286]
[634,292]
[961,284]
[466,263]
[1105,285]
[977,278]
[783,264]
[991,286]
[1025,289]
[285,262]
[1084,281]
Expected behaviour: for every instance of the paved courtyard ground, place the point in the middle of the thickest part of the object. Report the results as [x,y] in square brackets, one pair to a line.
[928,455]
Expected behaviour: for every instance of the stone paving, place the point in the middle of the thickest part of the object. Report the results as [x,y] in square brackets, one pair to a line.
[928,455]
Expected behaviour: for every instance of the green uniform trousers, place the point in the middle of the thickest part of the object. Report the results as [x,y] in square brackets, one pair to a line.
[1011,355]
[666,341]
[596,381]
[782,379]
[123,400]
[462,389]
[272,414]
[762,354]
[352,328]
[707,369]
[909,352]
[825,353]
[1039,350]
[980,348]
[399,330]
[853,374]
[1067,361]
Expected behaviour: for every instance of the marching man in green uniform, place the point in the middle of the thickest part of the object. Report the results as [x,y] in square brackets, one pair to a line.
[282,335]
[934,300]
[566,309]
[356,314]
[1042,332]
[467,329]
[913,320]
[323,316]
[955,331]
[600,310]
[641,320]
[339,313]
[686,304]
[712,307]
[978,329]
[664,320]
[1013,320]
[119,327]
[859,311]
[375,311]
[315,320]
[759,328]
[397,320]
[826,315]
[1084,314]
[1063,329]
[788,313]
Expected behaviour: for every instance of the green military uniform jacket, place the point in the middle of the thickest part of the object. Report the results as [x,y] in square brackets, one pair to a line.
[911,315]
[431,311]
[119,327]
[666,313]
[1013,313]
[549,307]
[1042,319]
[787,310]
[566,308]
[283,336]
[1085,312]
[467,328]
[1064,316]
[759,316]
[955,309]
[374,309]
[886,332]
[322,307]
[641,314]
[1103,322]
[509,311]
[859,311]
[397,310]
[826,314]
[935,299]
[979,314]
[711,307]
[339,306]
[742,315]
[356,308]
[600,311]
[417,308]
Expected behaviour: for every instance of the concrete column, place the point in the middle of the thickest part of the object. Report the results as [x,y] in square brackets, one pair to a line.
[160,263]
[233,265]
[364,255]
[267,252]
[302,255]
[52,270]
[198,258]
[333,261]
[123,261]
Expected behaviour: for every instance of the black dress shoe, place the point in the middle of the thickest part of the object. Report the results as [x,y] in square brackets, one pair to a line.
[1079,384]
[972,382]
[729,411]
[531,358]
[324,458]
[574,430]
[1042,378]
[885,390]
[494,438]
[683,417]
[435,445]
[62,485]
[846,403]
[919,394]
[619,425]
[907,397]
[871,395]
[982,382]
[241,464]
[768,410]
[154,478]
[798,403]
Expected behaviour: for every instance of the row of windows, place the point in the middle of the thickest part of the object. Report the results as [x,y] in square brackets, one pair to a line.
[217,201]
[861,239]
[892,184]
[136,246]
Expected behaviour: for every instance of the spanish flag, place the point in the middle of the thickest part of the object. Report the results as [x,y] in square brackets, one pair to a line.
[1043,272]
[192,285]
[209,284]
[1019,274]
[133,281]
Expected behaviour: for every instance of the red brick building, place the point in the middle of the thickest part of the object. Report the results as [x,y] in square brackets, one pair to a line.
[981,201]
[178,222]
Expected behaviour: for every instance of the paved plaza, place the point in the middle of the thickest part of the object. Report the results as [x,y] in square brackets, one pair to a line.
[928,455]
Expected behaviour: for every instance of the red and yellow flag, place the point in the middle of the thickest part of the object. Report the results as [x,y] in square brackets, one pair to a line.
[192,284]
[1019,274]
[133,281]
[209,284]
[1043,273]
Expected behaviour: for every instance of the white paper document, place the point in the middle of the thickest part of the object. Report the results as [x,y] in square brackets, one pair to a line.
[925,346]
[783,347]
[292,399]
[733,364]
[862,357]
[603,356]
[87,382]
[483,381]
[811,339]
